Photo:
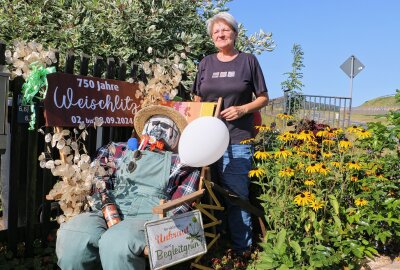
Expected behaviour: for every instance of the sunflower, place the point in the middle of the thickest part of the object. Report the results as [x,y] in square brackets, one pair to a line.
[361,202]
[306,135]
[282,153]
[262,155]
[363,134]
[259,172]
[309,182]
[304,198]
[354,165]
[284,116]
[323,169]
[286,172]
[247,141]
[263,128]
[345,143]
[316,204]
[353,129]
[312,168]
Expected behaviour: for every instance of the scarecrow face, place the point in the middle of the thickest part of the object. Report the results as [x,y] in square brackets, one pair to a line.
[162,128]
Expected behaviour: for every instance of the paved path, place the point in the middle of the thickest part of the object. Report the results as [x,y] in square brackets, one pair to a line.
[384,263]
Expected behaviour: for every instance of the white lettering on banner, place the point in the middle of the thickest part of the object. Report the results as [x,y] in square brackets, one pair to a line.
[67,101]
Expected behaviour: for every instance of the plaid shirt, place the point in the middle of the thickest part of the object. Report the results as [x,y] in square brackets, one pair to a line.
[183,180]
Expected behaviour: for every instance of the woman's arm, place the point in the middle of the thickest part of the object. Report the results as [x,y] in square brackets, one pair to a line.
[235,112]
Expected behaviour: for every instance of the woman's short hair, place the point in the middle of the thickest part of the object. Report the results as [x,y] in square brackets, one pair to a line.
[222,16]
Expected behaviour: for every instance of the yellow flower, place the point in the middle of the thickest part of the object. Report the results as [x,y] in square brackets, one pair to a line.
[286,172]
[247,141]
[263,128]
[363,134]
[291,134]
[361,202]
[337,131]
[327,154]
[365,188]
[262,155]
[380,176]
[283,137]
[353,129]
[303,198]
[316,205]
[284,116]
[345,143]
[354,178]
[282,153]
[323,169]
[326,133]
[306,135]
[329,142]
[312,168]
[300,165]
[259,172]
[309,182]
[354,166]
[335,164]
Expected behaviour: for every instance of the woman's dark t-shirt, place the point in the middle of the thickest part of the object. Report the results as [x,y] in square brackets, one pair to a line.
[235,81]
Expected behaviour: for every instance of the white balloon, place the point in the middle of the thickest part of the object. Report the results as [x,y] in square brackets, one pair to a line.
[203,141]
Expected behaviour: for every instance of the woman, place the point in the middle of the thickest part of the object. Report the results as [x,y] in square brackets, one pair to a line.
[235,76]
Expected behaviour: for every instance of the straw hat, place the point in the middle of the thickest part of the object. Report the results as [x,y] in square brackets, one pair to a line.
[144,114]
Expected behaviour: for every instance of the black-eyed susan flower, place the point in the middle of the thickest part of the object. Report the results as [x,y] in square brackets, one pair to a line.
[262,155]
[259,172]
[327,154]
[304,198]
[365,188]
[345,143]
[354,165]
[335,164]
[309,182]
[326,133]
[291,134]
[306,135]
[353,129]
[284,116]
[363,134]
[247,141]
[361,202]
[283,137]
[380,176]
[286,172]
[263,128]
[316,204]
[300,165]
[354,178]
[282,153]
[328,142]
[337,131]
[322,169]
[313,168]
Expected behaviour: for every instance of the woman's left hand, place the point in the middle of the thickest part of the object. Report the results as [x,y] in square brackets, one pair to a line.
[233,113]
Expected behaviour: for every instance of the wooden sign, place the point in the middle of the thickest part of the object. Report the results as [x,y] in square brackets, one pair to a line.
[175,239]
[72,99]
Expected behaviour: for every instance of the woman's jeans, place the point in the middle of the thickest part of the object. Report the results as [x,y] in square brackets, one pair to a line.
[233,169]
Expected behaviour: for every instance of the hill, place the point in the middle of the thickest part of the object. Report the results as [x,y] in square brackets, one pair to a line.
[385,101]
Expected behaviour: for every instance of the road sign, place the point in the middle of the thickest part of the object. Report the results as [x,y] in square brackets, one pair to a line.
[352,66]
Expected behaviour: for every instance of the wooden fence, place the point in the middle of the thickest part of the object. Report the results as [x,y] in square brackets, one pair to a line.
[29,213]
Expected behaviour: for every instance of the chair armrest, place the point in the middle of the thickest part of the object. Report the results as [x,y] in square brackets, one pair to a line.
[163,208]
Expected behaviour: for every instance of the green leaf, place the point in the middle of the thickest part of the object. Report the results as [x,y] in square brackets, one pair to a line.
[296,247]
[283,267]
[334,203]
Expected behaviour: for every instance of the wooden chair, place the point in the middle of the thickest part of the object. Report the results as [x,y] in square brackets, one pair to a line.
[191,111]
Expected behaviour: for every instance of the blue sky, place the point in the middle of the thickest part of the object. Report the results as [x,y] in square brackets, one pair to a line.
[329,32]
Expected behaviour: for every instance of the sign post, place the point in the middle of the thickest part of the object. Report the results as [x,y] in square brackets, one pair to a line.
[352,66]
